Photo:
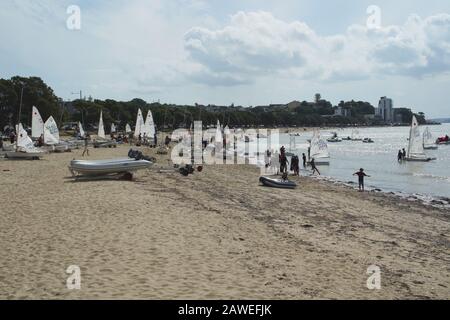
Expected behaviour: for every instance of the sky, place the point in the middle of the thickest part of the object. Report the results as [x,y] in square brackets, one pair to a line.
[220,52]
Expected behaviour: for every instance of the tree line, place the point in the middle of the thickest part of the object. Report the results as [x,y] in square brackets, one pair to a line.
[33,91]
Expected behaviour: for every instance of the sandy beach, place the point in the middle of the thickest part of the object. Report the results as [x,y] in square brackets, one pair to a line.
[217,234]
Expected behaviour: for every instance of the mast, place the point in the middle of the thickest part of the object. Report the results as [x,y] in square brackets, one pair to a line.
[410,137]
[18,120]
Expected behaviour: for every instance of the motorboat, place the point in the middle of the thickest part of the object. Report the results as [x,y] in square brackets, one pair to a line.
[277,183]
[368,140]
[334,138]
[443,140]
[107,167]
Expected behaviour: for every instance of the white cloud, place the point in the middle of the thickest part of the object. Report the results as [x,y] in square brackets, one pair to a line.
[256,44]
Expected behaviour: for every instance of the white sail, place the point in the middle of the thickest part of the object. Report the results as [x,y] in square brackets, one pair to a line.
[127,128]
[139,124]
[319,147]
[219,137]
[24,142]
[113,128]
[428,139]
[101,127]
[51,132]
[149,126]
[355,135]
[415,147]
[37,124]
[80,127]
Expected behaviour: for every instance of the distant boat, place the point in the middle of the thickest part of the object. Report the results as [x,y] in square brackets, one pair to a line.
[368,140]
[335,138]
[415,146]
[101,127]
[80,127]
[428,141]
[319,150]
[355,135]
[127,128]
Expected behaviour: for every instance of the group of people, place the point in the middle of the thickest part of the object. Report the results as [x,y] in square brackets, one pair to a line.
[294,164]
[401,155]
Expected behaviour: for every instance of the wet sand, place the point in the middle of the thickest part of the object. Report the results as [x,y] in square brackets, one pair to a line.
[217,234]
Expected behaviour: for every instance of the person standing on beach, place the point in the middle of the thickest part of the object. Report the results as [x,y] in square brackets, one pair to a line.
[86,145]
[313,166]
[361,174]
[283,163]
[400,156]
[404,154]
[304,160]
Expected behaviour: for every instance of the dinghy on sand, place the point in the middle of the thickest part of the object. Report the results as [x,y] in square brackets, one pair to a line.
[277,183]
[107,167]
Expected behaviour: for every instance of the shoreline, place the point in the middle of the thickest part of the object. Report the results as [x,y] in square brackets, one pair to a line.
[217,234]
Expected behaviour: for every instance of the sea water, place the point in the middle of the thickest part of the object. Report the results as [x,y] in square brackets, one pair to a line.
[379,160]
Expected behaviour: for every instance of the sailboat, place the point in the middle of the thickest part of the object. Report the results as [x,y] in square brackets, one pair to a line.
[51,132]
[25,148]
[149,126]
[37,124]
[429,143]
[415,147]
[127,128]
[113,128]
[80,127]
[139,124]
[319,150]
[51,136]
[101,127]
[355,135]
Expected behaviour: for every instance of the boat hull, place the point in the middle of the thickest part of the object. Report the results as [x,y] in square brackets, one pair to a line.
[23,155]
[277,183]
[419,159]
[106,167]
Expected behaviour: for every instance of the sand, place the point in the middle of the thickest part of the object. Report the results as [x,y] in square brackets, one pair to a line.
[213,235]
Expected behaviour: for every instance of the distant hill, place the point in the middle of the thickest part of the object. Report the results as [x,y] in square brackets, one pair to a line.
[442,120]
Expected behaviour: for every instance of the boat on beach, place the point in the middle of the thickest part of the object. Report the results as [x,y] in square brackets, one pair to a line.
[107,167]
[277,183]
[24,148]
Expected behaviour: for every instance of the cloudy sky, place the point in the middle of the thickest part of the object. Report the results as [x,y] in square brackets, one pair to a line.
[236,51]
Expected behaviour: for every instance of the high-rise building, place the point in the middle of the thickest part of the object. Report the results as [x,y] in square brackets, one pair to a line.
[386,110]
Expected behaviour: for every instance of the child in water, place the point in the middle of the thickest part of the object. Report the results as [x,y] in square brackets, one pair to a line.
[361,174]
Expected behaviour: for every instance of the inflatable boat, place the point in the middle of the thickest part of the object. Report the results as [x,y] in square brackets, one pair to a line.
[277,183]
[106,167]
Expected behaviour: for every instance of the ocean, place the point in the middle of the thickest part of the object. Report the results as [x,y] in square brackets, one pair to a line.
[379,160]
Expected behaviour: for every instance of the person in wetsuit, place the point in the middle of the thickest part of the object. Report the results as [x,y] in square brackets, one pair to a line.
[361,174]
[313,167]
[400,156]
